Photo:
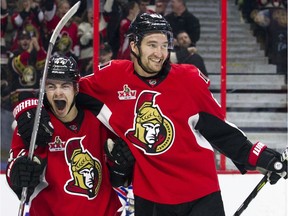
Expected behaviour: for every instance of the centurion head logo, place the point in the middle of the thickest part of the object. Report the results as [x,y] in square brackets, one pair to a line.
[85,170]
[153,132]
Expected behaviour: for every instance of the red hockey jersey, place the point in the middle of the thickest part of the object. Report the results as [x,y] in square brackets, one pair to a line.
[76,178]
[174,162]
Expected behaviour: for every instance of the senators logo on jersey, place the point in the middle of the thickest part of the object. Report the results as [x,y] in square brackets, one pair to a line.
[153,132]
[85,170]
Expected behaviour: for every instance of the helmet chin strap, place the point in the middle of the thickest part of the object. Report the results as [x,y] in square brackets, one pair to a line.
[72,104]
[76,86]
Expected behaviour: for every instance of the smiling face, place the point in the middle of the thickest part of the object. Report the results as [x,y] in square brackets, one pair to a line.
[153,52]
[60,95]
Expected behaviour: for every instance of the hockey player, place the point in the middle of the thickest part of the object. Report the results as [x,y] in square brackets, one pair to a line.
[69,175]
[172,123]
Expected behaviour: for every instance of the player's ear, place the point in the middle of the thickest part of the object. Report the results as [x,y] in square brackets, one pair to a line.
[76,88]
[133,47]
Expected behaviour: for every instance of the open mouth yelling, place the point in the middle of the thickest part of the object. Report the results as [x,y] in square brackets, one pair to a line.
[60,104]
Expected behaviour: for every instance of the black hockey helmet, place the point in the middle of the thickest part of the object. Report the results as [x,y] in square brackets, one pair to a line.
[149,23]
[63,68]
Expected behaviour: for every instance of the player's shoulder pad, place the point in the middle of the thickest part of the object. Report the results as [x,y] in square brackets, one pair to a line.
[115,63]
[190,72]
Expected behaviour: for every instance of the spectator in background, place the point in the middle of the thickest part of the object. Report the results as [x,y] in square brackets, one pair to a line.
[161,6]
[6,114]
[270,27]
[85,33]
[144,6]
[185,53]
[106,53]
[30,17]
[113,14]
[4,22]
[276,38]
[102,28]
[4,58]
[26,65]
[68,41]
[246,7]
[258,24]
[131,11]
[181,19]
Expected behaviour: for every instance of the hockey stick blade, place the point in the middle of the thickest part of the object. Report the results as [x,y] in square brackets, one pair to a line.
[53,38]
[259,186]
[63,22]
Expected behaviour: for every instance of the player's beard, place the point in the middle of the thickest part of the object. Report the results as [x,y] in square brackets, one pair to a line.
[147,69]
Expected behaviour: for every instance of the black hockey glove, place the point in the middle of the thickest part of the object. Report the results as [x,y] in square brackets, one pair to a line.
[24,113]
[26,173]
[270,160]
[120,162]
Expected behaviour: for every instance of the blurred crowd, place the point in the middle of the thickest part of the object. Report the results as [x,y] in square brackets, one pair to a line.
[268,22]
[27,25]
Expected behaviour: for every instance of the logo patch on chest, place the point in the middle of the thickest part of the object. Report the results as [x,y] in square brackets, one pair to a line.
[57,145]
[127,93]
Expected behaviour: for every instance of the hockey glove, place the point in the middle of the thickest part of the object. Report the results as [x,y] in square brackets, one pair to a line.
[270,160]
[120,162]
[24,113]
[26,173]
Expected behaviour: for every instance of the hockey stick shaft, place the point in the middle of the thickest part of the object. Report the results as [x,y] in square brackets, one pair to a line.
[53,38]
[258,187]
[251,196]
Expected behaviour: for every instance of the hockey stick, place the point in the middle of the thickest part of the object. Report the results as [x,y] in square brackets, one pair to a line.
[258,187]
[53,38]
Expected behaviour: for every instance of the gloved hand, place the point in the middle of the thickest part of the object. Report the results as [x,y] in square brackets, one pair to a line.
[25,172]
[270,160]
[120,162]
[24,113]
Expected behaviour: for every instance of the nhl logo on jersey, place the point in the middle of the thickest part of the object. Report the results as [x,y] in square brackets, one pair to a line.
[127,93]
[153,132]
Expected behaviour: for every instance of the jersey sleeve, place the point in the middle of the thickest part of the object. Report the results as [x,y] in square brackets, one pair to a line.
[96,88]
[223,135]
[87,97]
[226,138]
